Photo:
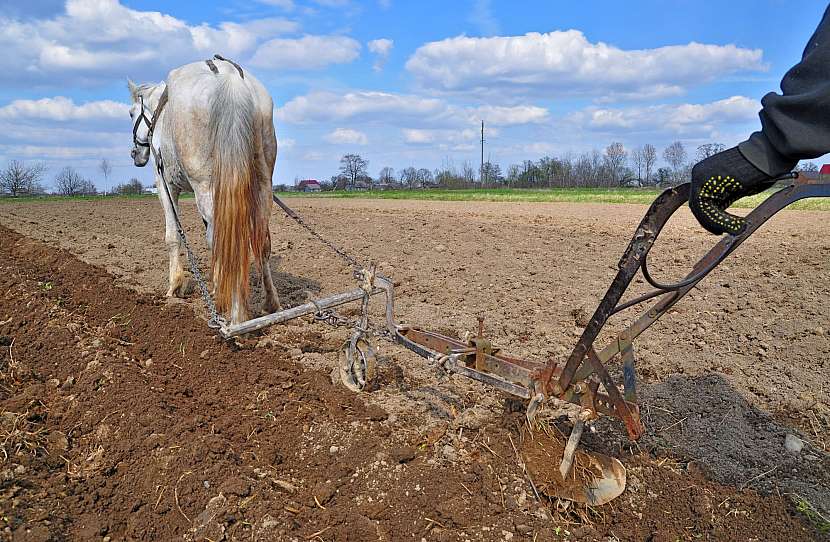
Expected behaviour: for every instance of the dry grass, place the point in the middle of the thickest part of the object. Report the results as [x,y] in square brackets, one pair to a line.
[23,433]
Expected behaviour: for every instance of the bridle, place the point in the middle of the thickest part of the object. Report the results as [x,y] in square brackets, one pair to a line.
[150,122]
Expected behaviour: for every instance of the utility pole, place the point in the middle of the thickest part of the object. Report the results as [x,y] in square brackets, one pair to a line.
[481,168]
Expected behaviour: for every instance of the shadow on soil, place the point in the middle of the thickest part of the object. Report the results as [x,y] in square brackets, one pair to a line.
[292,290]
[705,421]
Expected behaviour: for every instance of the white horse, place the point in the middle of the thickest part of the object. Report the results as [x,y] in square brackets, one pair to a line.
[211,125]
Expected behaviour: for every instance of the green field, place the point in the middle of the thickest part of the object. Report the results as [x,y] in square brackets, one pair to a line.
[51,198]
[642,196]
[574,195]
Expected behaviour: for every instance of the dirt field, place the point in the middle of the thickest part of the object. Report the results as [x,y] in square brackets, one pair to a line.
[122,417]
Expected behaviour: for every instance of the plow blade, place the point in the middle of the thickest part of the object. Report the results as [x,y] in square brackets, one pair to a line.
[592,478]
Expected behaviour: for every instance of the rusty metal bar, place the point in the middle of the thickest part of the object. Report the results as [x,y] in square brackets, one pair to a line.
[802,188]
[646,233]
[312,307]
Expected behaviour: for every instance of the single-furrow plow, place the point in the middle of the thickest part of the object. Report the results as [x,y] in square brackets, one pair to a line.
[583,378]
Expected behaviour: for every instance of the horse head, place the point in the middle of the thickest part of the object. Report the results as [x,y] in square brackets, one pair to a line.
[143,122]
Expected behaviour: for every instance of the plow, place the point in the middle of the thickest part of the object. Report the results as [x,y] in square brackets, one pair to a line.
[597,380]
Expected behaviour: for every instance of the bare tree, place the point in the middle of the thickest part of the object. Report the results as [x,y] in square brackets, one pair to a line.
[807,167]
[709,149]
[468,173]
[134,187]
[19,179]
[70,183]
[424,177]
[649,160]
[638,159]
[409,176]
[106,169]
[387,176]
[352,166]
[339,182]
[491,174]
[614,160]
[675,156]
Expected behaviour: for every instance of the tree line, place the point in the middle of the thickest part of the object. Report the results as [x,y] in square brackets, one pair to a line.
[614,166]
[21,179]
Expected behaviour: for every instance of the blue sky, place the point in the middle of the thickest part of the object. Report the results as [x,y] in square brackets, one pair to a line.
[403,83]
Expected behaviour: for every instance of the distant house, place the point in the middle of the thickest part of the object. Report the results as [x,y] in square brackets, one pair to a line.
[309,185]
[824,172]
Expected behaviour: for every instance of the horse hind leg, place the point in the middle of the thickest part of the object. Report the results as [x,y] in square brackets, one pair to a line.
[176,282]
[176,287]
[272,298]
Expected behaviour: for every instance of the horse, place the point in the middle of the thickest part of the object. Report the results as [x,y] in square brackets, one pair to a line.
[210,128]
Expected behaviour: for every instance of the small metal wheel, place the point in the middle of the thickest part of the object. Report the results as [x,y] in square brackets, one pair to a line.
[357,362]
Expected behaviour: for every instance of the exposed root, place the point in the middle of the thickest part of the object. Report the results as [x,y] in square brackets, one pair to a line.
[23,433]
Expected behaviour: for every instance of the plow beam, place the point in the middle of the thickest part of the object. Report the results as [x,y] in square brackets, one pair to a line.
[312,307]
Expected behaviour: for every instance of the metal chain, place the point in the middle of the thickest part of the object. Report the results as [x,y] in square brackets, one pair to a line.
[348,258]
[334,319]
[215,321]
[330,316]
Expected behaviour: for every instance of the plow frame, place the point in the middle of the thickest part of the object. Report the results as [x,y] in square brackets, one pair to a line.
[578,380]
[583,378]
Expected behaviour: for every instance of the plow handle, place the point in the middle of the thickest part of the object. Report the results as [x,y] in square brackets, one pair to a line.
[634,259]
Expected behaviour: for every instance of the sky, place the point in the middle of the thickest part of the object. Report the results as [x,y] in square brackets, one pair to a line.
[402,83]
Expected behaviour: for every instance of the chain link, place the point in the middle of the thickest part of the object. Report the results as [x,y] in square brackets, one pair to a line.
[348,258]
[215,321]
[334,319]
[360,272]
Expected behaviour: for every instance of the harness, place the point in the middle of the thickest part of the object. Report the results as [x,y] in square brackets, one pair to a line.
[151,122]
[214,320]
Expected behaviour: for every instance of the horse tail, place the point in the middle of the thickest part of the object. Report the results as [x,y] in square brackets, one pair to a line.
[238,225]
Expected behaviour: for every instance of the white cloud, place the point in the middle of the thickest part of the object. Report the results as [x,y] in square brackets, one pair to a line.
[58,153]
[482,17]
[358,105]
[381,48]
[287,5]
[566,62]
[61,108]
[402,110]
[306,53]
[444,138]
[347,136]
[418,137]
[286,143]
[313,156]
[94,41]
[509,116]
[676,119]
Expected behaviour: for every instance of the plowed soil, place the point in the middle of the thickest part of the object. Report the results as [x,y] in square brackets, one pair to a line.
[122,417]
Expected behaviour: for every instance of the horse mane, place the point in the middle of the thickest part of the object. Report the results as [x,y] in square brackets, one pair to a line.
[142,89]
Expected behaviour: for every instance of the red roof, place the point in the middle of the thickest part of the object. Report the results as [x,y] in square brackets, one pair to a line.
[308,182]
[825,169]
